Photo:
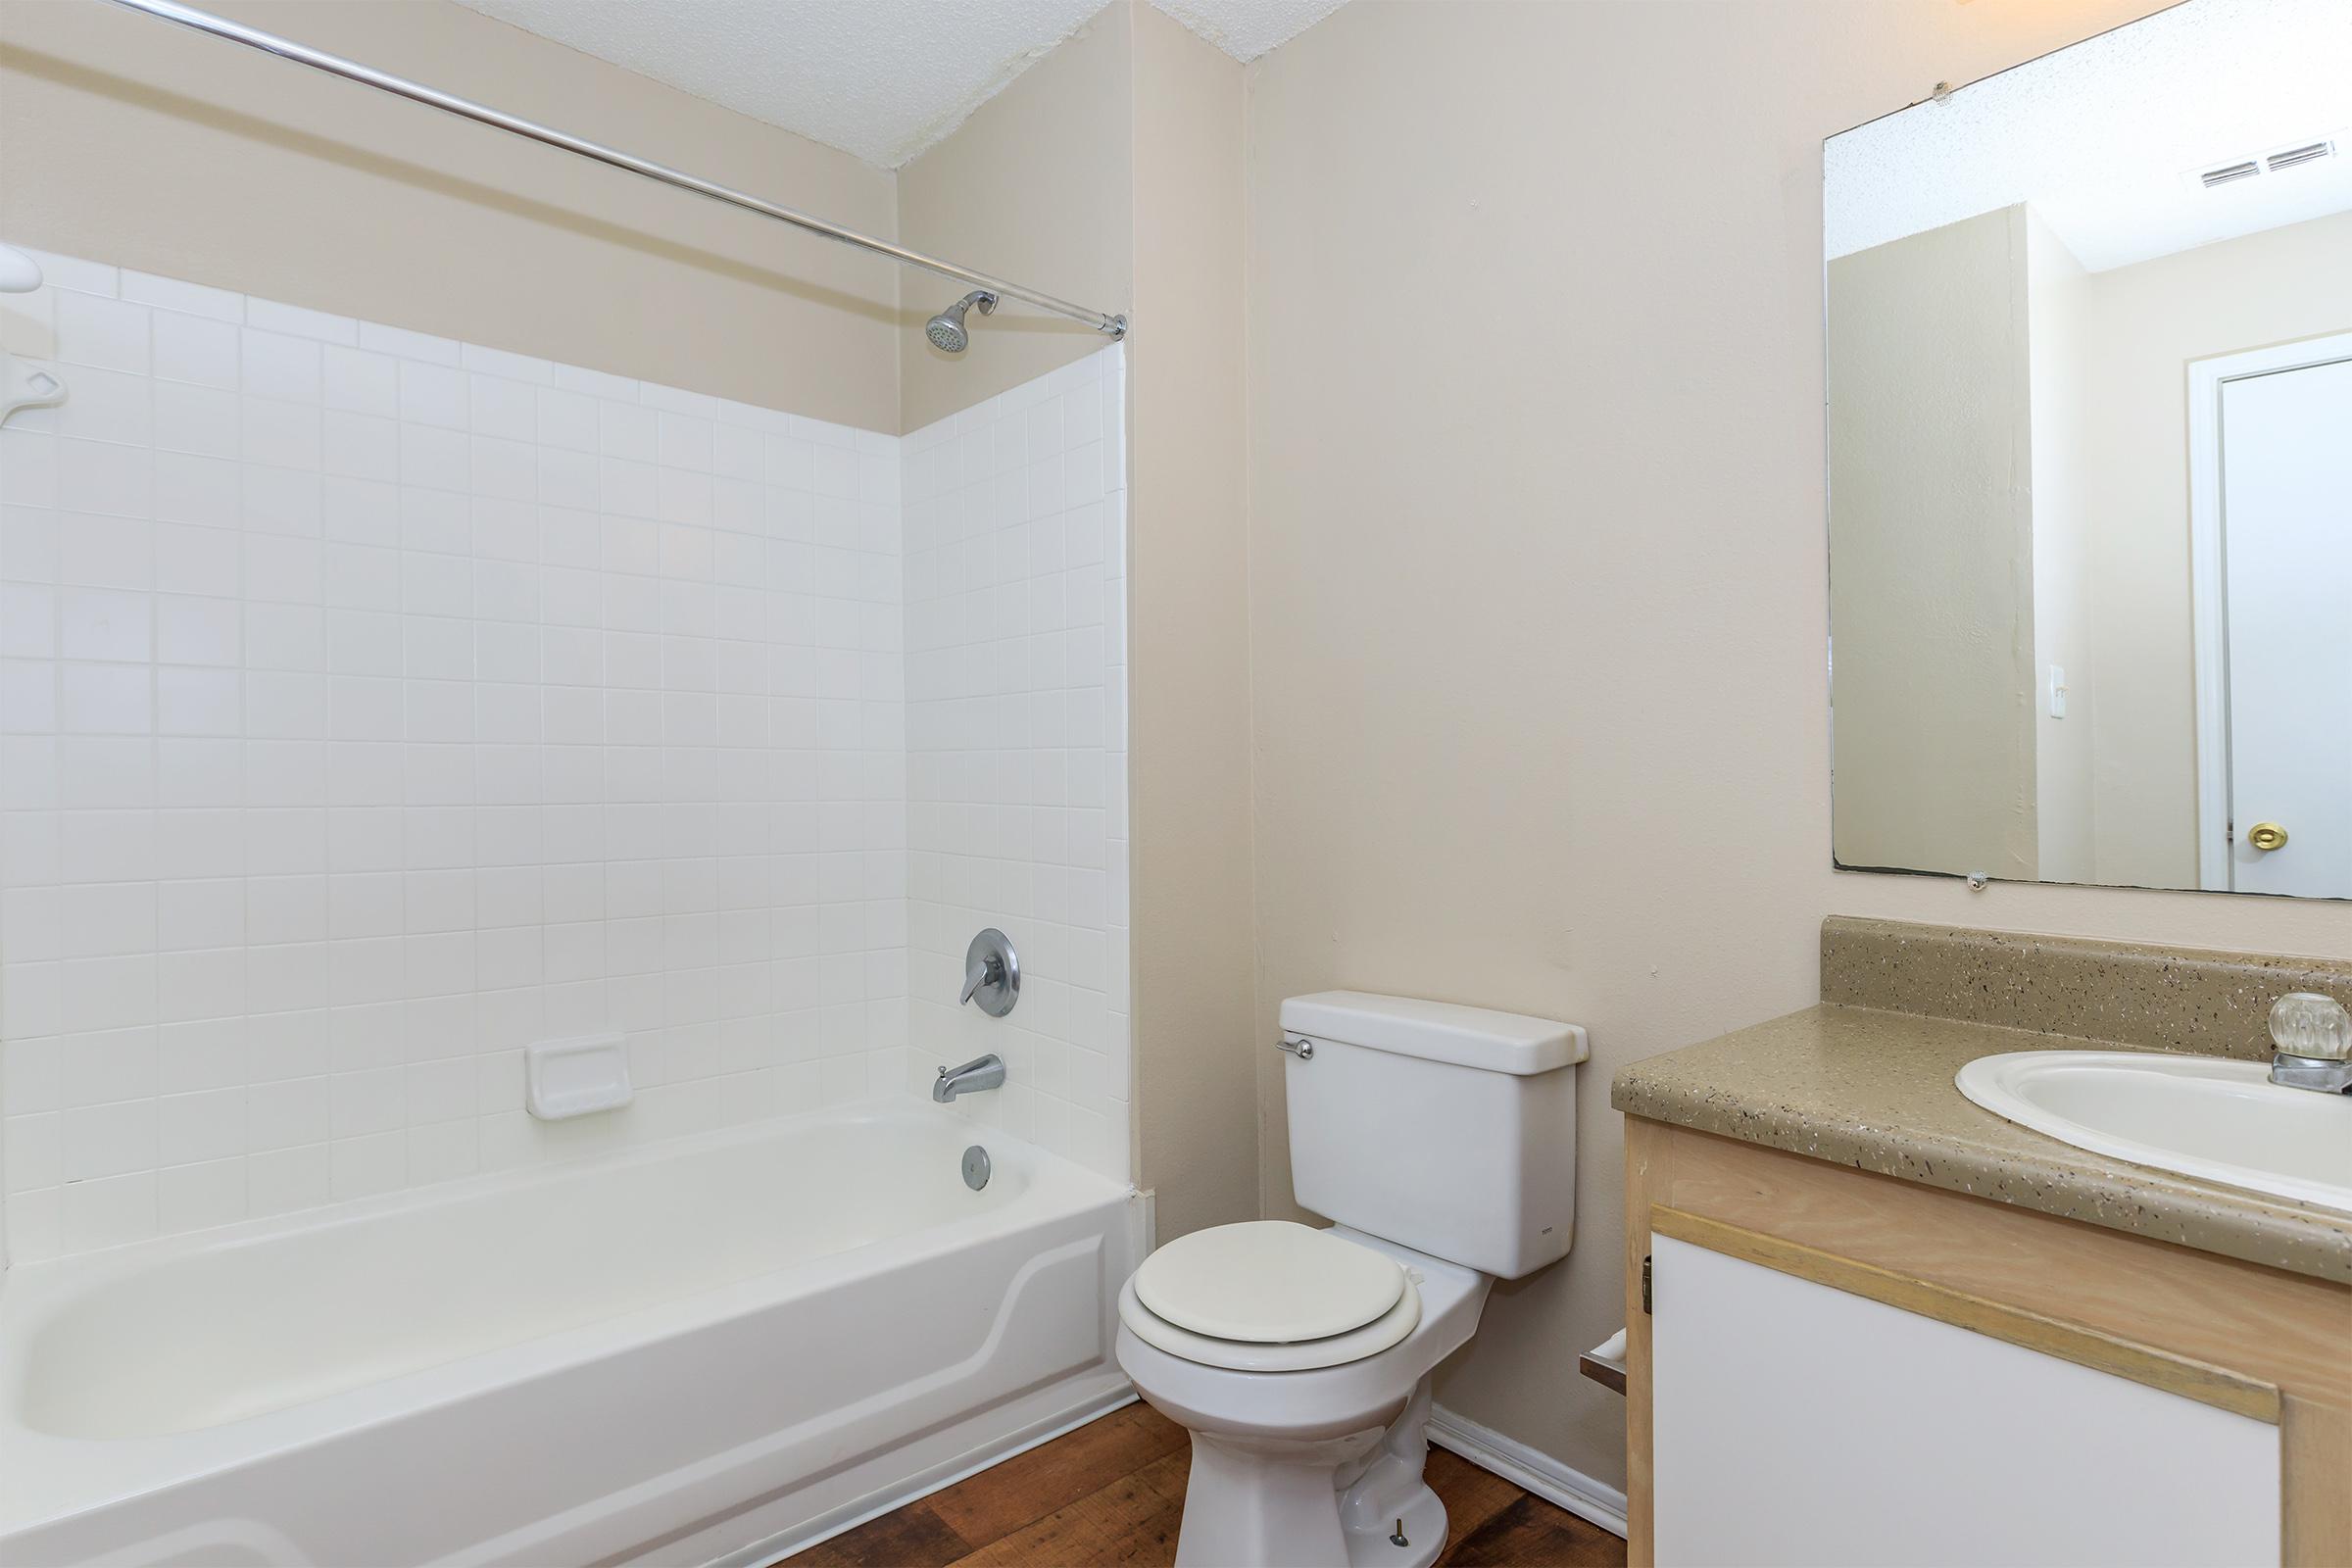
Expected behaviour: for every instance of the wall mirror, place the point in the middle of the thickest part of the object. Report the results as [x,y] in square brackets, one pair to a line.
[2090,361]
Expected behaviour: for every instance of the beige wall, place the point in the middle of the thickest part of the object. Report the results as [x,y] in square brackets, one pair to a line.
[2057,356]
[1035,187]
[1537,551]
[1189,599]
[128,140]
[1932,551]
[2146,322]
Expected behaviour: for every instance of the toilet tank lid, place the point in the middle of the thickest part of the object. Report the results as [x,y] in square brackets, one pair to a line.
[1437,1031]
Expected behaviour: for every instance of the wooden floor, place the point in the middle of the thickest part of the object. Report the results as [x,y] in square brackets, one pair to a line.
[1112,1491]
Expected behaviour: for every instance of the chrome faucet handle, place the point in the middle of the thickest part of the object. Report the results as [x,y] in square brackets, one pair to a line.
[2308,1024]
[992,973]
[2311,1043]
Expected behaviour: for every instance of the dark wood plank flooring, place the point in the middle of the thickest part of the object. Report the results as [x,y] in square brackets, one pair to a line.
[1112,1493]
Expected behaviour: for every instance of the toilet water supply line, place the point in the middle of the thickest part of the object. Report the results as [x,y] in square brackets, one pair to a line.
[1109,325]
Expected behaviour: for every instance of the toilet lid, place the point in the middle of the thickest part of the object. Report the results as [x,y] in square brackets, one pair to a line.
[1268,1282]
[1239,1355]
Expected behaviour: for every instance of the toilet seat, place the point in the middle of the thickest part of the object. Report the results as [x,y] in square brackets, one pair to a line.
[1268,1282]
[1383,1332]
[1268,1296]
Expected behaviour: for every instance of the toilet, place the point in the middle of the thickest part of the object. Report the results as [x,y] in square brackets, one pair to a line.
[1441,1139]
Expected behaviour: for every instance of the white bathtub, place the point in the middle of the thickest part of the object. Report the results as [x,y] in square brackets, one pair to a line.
[717,1349]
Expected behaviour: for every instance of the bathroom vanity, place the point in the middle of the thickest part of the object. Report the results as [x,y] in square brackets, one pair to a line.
[1872,1322]
[2014,1249]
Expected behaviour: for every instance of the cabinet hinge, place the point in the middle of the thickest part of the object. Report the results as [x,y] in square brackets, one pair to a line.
[1646,1284]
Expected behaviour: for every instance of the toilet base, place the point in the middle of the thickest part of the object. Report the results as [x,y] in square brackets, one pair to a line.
[1384,1499]
[1332,1503]
[1423,1522]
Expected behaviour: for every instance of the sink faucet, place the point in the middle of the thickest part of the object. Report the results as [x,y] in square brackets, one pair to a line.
[2311,1039]
[981,1072]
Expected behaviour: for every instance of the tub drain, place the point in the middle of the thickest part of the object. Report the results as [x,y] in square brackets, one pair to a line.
[975,1167]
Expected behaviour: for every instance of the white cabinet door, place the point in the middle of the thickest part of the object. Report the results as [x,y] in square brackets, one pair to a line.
[1798,1423]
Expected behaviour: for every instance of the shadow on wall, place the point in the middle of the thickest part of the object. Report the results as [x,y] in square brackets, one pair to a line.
[253,128]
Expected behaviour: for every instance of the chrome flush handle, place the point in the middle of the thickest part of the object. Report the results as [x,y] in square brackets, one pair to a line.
[1302,1047]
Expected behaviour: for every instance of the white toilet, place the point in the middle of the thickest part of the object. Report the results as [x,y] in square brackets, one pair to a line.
[1442,1140]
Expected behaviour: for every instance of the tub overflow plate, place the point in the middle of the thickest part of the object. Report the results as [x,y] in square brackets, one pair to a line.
[975,1167]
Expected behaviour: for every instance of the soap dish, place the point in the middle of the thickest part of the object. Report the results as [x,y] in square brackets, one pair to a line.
[566,1078]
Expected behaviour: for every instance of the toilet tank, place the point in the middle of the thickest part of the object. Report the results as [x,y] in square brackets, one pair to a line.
[1449,1130]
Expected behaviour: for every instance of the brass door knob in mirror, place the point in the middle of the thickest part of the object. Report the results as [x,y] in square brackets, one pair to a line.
[2265,836]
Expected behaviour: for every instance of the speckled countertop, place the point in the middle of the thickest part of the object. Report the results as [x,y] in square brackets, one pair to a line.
[1873,1090]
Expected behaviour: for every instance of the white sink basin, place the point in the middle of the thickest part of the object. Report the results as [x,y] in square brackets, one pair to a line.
[2204,1116]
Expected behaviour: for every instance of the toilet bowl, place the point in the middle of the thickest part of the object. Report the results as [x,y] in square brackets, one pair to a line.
[1308,1453]
[1442,1140]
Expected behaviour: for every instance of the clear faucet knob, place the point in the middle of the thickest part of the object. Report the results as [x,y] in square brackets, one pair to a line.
[2305,1023]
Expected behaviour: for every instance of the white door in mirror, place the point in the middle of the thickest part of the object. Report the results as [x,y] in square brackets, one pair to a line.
[565,1078]
[2204,1116]
[2288,574]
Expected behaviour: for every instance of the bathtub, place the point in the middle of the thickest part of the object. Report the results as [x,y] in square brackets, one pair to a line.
[718,1348]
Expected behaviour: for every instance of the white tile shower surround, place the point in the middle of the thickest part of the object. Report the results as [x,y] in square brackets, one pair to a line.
[1015,517]
[373,705]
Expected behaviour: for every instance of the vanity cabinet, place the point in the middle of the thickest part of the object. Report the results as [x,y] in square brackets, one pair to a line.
[1841,1367]
[1797,1421]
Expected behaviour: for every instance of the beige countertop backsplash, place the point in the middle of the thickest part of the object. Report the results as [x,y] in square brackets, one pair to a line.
[2125,993]
[1865,1079]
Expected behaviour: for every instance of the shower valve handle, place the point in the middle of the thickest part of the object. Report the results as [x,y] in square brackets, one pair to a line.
[992,973]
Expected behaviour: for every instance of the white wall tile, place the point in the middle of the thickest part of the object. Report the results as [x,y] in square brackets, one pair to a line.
[1012,616]
[194,1197]
[373,705]
[102,333]
[100,552]
[356,380]
[193,349]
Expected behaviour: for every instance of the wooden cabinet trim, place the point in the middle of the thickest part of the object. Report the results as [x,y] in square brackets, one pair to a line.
[2068,1342]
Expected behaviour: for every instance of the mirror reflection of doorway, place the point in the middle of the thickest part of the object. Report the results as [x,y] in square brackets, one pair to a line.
[2271,533]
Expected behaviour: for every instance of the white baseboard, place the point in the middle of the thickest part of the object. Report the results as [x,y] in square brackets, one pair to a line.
[1540,1473]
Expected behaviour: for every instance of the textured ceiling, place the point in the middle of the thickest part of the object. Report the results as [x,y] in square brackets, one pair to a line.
[2098,138]
[1248,28]
[880,78]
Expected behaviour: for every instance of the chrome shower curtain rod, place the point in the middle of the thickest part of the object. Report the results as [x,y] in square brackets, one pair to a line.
[1113,326]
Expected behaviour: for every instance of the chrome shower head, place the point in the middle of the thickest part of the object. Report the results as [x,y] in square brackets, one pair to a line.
[946,330]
